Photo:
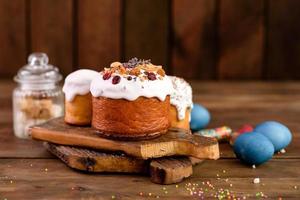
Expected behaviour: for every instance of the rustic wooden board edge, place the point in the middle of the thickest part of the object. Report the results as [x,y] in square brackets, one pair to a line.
[170,170]
[172,143]
[94,161]
[166,170]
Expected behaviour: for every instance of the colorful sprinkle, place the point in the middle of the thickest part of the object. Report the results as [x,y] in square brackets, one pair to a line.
[256,180]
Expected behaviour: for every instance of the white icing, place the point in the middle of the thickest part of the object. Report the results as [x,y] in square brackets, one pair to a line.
[131,89]
[181,96]
[78,83]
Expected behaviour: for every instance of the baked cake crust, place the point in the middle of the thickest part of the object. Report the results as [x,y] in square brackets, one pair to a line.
[131,100]
[79,111]
[175,122]
[78,99]
[181,103]
[141,118]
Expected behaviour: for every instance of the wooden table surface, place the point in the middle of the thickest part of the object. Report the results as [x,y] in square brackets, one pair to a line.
[28,171]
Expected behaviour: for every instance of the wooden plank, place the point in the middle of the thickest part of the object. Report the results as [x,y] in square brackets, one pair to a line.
[12,37]
[169,170]
[174,142]
[283,35]
[228,88]
[264,102]
[51,31]
[194,38]
[241,35]
[96,161]
[37,178]
[99,33]
[13,147]
[146,30]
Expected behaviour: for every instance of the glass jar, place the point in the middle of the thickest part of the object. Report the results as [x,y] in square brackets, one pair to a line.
[38,96]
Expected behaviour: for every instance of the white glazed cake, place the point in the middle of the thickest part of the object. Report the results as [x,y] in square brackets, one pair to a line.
[78,83]
[131,99]
[78,101]
[181,103]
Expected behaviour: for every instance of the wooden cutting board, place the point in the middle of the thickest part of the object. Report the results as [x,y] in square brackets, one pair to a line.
[174,142]
[167,170]
[97,161]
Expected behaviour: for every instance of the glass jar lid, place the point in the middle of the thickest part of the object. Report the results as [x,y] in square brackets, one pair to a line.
[38,71]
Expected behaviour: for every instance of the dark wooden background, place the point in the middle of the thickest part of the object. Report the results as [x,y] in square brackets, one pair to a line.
[197,39]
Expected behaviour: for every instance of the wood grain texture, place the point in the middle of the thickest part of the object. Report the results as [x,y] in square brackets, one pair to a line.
[99,33]
[241,37]
[51,24]
[96,161]
[171,143]
[230,103]
[194,38]
[51,179]
[146,30]
[12,147]
[166,170]
[12,37]
[283,50]
[170,170]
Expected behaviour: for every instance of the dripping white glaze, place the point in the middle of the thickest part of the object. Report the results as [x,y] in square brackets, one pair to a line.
[181,96]
[131,89]
[78,83]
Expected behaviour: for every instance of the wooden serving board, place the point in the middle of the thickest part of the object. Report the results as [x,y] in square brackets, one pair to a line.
[97,161]
[171,143]
[167,170]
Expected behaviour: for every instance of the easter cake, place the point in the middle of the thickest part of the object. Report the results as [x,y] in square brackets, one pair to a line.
[78,100]
[181,104]
[131,100]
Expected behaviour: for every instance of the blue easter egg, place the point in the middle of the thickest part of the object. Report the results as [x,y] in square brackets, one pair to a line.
[253,148]
[200,117]
[277,133]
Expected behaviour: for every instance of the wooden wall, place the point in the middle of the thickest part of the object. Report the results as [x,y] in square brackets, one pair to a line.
[197,39]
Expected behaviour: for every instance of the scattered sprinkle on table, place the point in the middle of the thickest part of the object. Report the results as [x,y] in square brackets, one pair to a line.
[282,151]
[256,180]
[295,187]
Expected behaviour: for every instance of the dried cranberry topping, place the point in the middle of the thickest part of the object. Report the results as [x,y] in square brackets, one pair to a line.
[129,78]
[116,80]
[151,76]
[106,76]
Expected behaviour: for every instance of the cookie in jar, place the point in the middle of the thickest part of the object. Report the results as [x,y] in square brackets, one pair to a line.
[38,97]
